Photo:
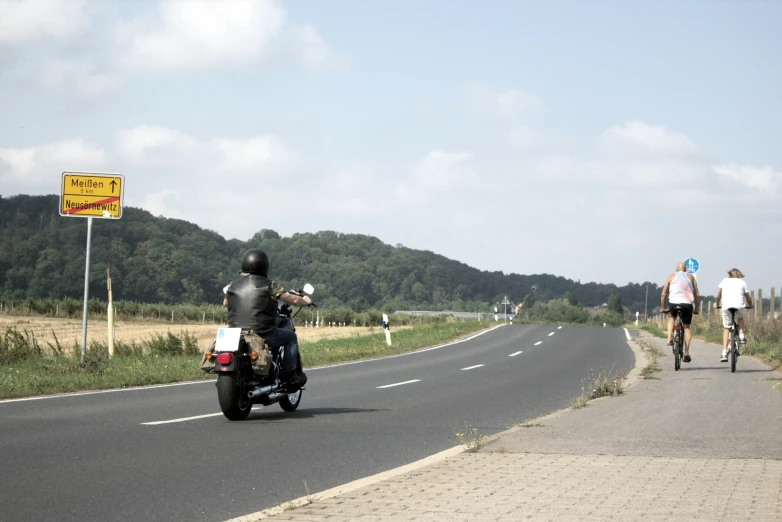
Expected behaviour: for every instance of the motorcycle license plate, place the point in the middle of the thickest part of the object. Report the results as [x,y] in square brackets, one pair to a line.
[227,339]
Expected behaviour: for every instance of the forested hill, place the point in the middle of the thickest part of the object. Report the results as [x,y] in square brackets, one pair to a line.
[155,259]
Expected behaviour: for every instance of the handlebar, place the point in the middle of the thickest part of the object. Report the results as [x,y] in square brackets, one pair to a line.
[300,293]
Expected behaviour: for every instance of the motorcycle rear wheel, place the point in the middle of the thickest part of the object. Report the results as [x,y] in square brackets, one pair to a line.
[234,404]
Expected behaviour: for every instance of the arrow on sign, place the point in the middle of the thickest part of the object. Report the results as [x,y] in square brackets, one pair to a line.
[113,184]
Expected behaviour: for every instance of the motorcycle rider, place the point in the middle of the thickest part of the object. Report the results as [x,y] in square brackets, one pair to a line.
[252,305]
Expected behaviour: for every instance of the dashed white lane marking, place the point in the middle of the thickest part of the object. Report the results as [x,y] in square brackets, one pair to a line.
[539,342]
[559,328]
[471,367]
[398,384]
[183,419]
[552,333]
[627,334]
[515,354]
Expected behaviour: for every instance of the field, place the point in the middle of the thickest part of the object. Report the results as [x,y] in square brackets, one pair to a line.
[29,366]
[69,331]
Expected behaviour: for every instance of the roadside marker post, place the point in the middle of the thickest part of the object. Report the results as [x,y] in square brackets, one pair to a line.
[387,329]
[90,195]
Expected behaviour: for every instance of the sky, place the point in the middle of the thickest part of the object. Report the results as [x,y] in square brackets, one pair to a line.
[599,141]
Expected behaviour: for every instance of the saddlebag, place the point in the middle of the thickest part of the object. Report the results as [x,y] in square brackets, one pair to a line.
[263,363]
[208,364]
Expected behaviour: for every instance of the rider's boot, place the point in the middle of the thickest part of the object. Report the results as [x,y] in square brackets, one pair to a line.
[294,381]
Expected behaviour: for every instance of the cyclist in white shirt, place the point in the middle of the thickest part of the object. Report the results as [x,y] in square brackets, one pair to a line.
[732,293]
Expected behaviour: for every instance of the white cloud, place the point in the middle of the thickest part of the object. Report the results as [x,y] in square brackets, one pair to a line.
[510,105]
[258,153]
[639,139]
[34,168]
[438,171]
[523,137]
[357,189]
[765,179]
[76,77]
[314,52]
[149,144]
[200,34]
[441,170]
[31,21]
[164,203]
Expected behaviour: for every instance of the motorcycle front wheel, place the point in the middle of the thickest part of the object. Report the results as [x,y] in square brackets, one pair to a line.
[234,404]
[291,401]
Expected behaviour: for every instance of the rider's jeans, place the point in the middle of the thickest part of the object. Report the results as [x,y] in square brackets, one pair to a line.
[290,342]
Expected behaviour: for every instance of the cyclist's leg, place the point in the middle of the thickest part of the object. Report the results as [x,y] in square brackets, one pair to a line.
[670,329]
[687,321]
[740,322]
[727,324]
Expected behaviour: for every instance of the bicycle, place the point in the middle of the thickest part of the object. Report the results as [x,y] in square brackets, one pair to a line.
[678,337]
[733,340]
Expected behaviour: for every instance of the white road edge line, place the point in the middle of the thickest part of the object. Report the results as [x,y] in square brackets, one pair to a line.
[181,420]
[96,392]
[472,367]
[539,342]
[136,388]
[398,384]
[515,354]
[552,333]
[559,327]
[627,334]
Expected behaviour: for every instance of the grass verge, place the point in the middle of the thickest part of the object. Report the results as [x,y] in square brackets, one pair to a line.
[648,371]
[329,351]
[652,329]
[25,370]
[600,383]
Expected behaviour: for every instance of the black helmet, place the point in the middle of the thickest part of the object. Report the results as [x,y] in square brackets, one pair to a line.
[255,261]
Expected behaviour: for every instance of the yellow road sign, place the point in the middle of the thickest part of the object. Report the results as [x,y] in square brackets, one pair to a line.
[85,194]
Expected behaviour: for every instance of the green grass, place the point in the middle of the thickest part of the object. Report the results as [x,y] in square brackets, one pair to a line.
[653,329]
[25,371]
[329,351]
[600,383]
[41,376]
[648,371]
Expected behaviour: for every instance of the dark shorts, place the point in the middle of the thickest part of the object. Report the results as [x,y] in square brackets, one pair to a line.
[686,312]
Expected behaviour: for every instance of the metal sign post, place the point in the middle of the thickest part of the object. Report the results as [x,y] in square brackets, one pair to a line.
[87,194]
[86,290]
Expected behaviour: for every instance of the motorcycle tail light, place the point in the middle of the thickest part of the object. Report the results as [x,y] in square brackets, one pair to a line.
[225,358]
[253,356]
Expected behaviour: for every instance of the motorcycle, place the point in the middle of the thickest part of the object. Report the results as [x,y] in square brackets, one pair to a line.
[249,371]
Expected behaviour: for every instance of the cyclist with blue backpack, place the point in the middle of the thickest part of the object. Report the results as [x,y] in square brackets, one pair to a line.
[684,295]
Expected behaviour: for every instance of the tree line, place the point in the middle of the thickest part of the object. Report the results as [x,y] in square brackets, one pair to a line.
[154,259]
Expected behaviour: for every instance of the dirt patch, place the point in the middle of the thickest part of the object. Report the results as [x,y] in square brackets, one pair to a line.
[69,331]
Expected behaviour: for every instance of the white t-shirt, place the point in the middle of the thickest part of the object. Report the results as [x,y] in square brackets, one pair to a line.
[733,290]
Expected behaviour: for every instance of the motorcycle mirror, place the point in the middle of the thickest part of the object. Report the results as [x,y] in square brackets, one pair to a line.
[308,289]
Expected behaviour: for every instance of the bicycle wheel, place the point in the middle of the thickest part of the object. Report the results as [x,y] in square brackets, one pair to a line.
[677,349]
[734,351]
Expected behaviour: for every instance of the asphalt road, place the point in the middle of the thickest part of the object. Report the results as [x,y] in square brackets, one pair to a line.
[95,457]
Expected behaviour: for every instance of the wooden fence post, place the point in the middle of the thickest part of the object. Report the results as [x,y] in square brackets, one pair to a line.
[759,311]
[754,302]
[773,298]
